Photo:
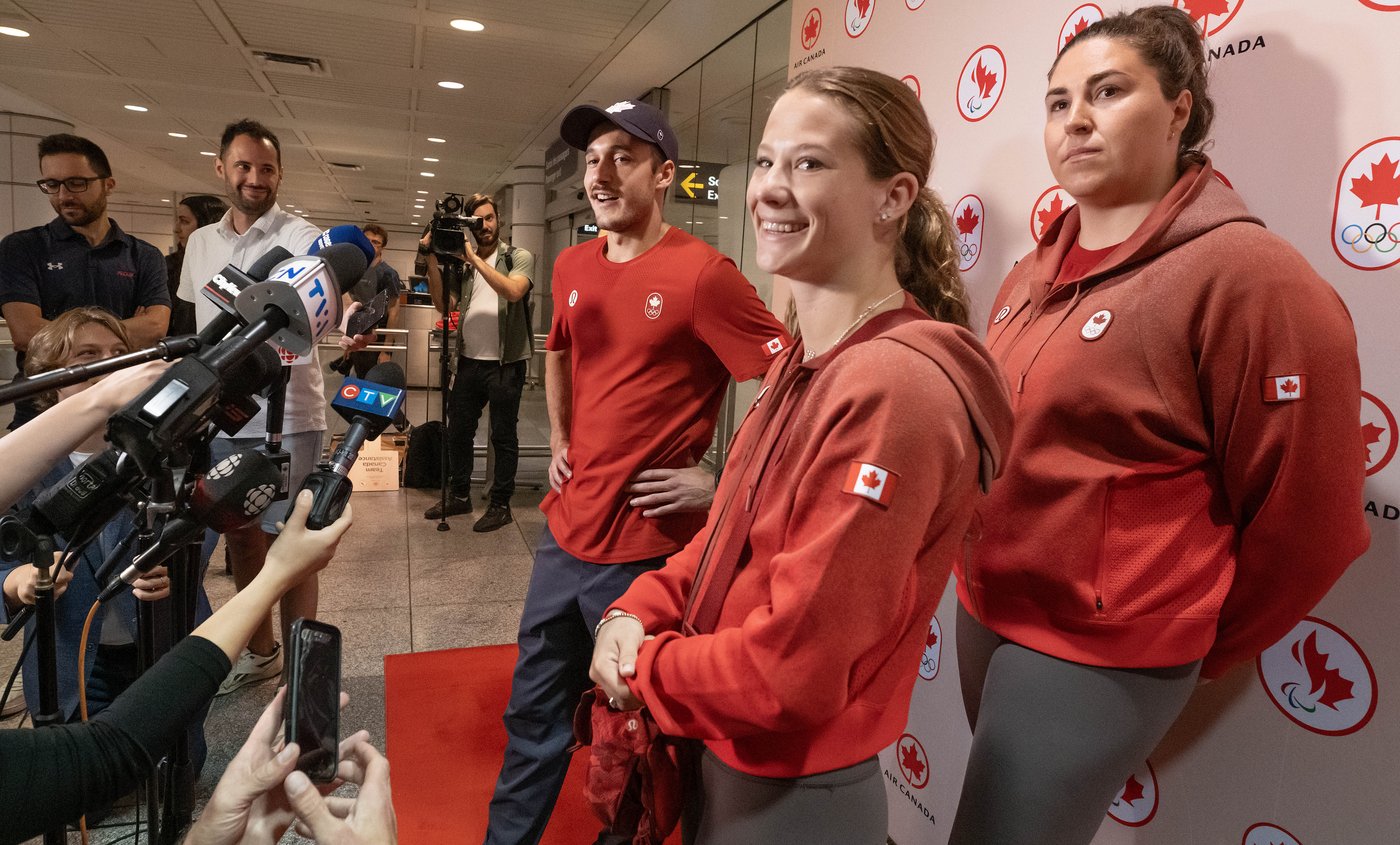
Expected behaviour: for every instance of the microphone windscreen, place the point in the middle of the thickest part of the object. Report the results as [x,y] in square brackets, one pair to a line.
[388,374]
[344,234]
[347,264]
[254,372]
[263,266]
[235,490]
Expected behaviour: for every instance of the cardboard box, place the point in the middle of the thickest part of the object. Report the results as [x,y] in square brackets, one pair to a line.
[376,469]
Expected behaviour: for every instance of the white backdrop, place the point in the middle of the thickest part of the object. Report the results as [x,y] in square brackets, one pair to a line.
[1300,747]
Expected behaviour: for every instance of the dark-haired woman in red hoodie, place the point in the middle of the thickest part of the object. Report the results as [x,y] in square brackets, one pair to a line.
[848,493]
[1185,481]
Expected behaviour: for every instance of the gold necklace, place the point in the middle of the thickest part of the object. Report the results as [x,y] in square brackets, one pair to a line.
[809,354]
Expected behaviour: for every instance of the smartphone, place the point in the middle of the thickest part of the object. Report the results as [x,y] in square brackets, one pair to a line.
[312,710]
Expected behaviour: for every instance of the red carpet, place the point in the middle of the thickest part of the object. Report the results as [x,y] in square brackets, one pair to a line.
[445,742]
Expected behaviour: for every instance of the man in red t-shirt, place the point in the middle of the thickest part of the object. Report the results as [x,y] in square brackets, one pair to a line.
[649,326]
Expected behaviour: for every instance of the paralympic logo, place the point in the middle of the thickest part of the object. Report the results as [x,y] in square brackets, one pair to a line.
[1366,208]
[981,83]
[1319,678]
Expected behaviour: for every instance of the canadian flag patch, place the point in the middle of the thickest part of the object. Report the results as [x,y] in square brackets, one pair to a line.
[773,347]
[1284,388]
[872,482]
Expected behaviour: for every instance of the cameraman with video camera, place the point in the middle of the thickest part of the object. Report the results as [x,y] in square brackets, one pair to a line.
[495,342]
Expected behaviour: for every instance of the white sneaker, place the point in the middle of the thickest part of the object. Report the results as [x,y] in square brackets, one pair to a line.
[252,668]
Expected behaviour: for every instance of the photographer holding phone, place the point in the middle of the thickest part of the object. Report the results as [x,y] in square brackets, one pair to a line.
[55,774]
[495,345]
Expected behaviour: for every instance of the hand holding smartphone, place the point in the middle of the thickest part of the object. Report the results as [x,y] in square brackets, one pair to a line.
[312,713]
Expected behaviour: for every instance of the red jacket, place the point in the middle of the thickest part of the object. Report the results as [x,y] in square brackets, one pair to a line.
[1166,498]
[814,656]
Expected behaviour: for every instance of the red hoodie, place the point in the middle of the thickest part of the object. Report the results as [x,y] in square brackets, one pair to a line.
[1186,476]
[814,656]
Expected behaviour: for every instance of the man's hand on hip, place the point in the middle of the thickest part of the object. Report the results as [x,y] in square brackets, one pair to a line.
[661,492]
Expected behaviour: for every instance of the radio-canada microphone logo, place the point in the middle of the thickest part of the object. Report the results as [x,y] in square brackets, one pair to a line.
[1136,803]
[933,651]
[969,217]
[912,760]
[981,83]
[1078,21]
[1268,834]
[1366,209]
[858,15]
[1210,15]
[1047,209]
[1377,432]
[811,28]
[1319,678]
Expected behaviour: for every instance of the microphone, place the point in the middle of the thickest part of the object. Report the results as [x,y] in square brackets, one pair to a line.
[370,405]
[79,505]
[224,288]
[345,233]
[234,492]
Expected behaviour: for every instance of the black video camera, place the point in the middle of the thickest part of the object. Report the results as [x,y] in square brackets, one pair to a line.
[450,225]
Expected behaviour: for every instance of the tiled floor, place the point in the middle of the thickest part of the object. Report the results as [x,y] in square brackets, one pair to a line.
[396,585]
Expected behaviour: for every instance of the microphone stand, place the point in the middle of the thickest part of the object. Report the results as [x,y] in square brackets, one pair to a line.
[167,349]
[451,269]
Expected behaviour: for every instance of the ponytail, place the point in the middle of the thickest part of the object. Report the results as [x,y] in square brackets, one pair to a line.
[926,261]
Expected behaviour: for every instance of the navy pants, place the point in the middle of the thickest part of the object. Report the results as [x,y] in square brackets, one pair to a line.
[477,385]
[566,598]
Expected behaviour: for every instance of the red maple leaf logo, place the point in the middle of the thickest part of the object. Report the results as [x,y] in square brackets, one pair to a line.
[1099,319]
[1079,26]
[1046,217]
[909,760]
[1132,790]
[871,480]
[1327,684]
[932,639]
[811,29]
[1289,386]
[1379,188]
[862,7]
[1201,9]
[967,221]
[1371,434]
[985,79]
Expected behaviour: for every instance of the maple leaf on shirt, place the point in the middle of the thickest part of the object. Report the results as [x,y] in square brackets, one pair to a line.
[1289,386]
[985,79]
[871,479]
[1327,684]
[909,759]
[1099,319]
[1046,217]
[1132,790]
[967,221]
[1371,435]
[1379,188]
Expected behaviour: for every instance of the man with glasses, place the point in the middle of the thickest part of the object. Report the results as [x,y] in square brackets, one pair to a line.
[82,257]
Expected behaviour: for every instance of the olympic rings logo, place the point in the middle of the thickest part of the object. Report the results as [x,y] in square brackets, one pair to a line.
[1376,236]
[969,251]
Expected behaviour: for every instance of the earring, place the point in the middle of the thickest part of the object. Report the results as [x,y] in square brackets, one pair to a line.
[884,215]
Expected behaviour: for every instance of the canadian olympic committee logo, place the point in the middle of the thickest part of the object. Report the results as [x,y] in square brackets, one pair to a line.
[933,651]
[969,215]
[1320,678]
[858,15]
[913,761]
[1078,21]
[1136,803]
[1210,15]
[1268,834]
[1366,210]
[913,82]
[811,28]
[653,305]
[1377,432]
[981,83]
[1047,209]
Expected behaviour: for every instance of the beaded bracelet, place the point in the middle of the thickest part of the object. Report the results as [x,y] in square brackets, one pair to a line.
[616,614]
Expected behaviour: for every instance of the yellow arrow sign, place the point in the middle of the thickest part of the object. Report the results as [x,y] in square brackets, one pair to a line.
[692,183]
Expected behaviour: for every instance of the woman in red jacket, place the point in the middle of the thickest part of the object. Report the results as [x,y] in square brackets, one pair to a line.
[1185,482]
[850,488]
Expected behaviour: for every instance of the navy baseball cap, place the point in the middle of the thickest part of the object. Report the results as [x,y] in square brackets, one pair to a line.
[632,116]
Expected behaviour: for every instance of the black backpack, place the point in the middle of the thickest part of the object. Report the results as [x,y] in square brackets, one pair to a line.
[422,466]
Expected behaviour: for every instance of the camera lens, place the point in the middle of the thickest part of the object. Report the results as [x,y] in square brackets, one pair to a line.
[452,204]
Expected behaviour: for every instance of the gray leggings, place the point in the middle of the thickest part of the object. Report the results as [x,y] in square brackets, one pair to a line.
[842,807]
[1052,741]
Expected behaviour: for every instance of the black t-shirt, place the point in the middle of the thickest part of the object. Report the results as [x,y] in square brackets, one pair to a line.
[55,268]
[379,278]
